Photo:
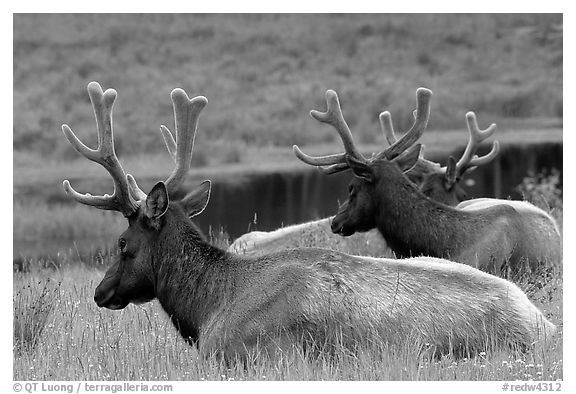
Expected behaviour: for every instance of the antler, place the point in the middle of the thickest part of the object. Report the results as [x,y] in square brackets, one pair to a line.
[333,116]
[127,196]
[186,115]
[422,166]
[121,200]
[421,116]
[469,159]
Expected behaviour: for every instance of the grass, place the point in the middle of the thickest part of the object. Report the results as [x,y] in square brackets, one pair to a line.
[60,334]
[33,305]
[72,339]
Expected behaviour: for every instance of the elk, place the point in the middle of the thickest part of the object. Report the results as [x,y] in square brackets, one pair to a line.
[315,233]
[229,305]
[501,237]
[442,184]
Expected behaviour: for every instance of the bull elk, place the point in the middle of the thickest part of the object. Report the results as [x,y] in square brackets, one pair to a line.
[231,305]
[442,184]
[498,236]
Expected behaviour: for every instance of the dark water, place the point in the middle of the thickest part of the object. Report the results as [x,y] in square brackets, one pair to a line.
[266,202]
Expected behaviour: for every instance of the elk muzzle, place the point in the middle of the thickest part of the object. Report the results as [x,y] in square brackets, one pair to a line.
[105,292]
[339,223]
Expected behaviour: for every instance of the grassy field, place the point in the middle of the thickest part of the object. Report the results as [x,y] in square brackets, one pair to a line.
[60,334]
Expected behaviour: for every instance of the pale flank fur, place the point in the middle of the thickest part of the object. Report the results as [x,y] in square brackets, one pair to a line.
[316,233]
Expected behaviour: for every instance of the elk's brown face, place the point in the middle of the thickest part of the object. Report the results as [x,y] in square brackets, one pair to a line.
[131,279]
[445,187]
[358,213]
[441,189]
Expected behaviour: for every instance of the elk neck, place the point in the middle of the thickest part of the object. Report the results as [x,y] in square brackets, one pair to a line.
[413,224]
[192,278]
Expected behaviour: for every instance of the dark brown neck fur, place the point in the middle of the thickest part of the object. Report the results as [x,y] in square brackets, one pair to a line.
[193,278]
[413,224]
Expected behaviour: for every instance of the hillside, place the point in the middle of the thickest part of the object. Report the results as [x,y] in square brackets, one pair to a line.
[263,73]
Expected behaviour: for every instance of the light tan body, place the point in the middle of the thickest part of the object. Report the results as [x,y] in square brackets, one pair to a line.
[541,240]
[316,233]
[331,296]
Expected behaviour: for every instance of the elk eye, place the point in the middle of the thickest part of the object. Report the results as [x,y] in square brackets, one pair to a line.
[121,244]
[350,189]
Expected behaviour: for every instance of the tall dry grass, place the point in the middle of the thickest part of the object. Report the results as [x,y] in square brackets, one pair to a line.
[60,334]
[75,340]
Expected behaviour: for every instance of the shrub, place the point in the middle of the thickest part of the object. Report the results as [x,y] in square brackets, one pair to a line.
[543,190]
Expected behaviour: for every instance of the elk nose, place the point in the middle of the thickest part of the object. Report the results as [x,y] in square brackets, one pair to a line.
[98,296]
[101,297]
[335,226]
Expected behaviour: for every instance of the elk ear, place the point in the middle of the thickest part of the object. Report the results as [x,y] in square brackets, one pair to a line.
[451,171]
[360,168]
[409,158]
[157,201]
[195,202]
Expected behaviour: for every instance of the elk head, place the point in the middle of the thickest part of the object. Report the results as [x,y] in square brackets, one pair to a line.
[442,184]
[359,212]
[150,216]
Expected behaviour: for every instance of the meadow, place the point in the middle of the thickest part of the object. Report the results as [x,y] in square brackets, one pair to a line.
[261,74]
[60,333]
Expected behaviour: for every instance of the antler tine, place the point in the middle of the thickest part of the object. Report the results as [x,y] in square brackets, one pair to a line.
[121,200]
[319,160]
[333,169]
[422,166]
[137,193]
[387,127]
[169,141]
[333,116]
[423,98]
[186,114]
[478,161]
[468,158]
